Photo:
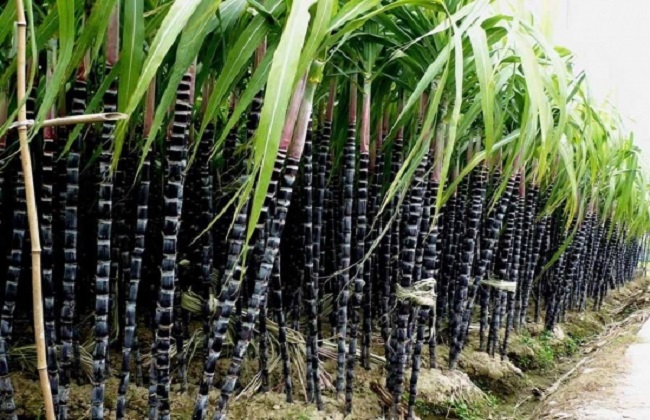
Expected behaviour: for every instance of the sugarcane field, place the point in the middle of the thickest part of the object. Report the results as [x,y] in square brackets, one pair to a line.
[324,209]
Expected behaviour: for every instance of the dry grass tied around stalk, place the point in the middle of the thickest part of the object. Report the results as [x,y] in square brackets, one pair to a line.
[506,286]
[422,292]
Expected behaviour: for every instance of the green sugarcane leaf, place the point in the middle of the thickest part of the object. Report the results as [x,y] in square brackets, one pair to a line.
[132,54]
[468,13]
[188,48]
[93,34]
[29,11]
[174,22]
[318,33]
[427,128]
[7,18]
[282,79]
[43,33]
[436,67]
[485,74]
[237,61]
[94,105]
[567,158]
[350,11]
[475,161]
[455,114]
[431,73]
[344,32]
[154,18]
[66,47]
[253,87]
[229,13]
[535,91]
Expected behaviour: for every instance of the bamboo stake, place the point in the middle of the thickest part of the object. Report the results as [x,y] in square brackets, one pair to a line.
[25,159]
[73,120]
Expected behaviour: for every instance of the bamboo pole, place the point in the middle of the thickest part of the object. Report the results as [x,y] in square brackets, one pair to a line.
[25,159]
[73,120]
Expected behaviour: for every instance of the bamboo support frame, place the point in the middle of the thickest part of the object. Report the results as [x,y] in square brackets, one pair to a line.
[32,215]
[73,120]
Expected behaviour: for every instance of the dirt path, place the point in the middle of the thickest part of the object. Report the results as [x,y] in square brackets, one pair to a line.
[628,397]
[613,383]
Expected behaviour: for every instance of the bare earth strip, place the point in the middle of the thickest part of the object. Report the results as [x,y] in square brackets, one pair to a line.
[614,383]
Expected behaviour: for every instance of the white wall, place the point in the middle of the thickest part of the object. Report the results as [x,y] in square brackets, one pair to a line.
[611,41]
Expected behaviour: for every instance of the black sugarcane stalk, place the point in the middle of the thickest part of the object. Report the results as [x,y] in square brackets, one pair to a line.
[310,284]
[574,262]
[14,269]
[429,257]
[346,242]
[276,308]
[489,240]
[233,276]
[47,257]
[372,271]
[595,243]
[71,235]
[384,264]
[426,212]
[333,239]
[580,280]
[136,262]
[176,154]
[319,235]
[448,261]
[207,215]
[4,110]
[272,246]
[232,280]
[360,235]
[476,201]
[394,221]
[515,258]
[432,254]
[409,244]
[542,252]
[260,290]
[226,177]
[130,320]
[536,234]
[462,198]
[103,269]
[428,238]
[225,307]
[429,267]
[526,224]
[49,289]
[484,293]
[555,287]
[502,265]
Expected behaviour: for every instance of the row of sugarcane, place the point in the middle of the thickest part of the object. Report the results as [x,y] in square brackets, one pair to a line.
[411,228]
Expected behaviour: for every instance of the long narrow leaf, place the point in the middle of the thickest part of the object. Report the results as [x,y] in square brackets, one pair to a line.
[282,77]
[132,54]
[174,22]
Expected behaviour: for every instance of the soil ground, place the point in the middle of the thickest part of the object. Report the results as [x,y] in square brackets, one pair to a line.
[484,388]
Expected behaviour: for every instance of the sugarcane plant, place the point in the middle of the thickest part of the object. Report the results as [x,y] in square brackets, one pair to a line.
[357,181]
